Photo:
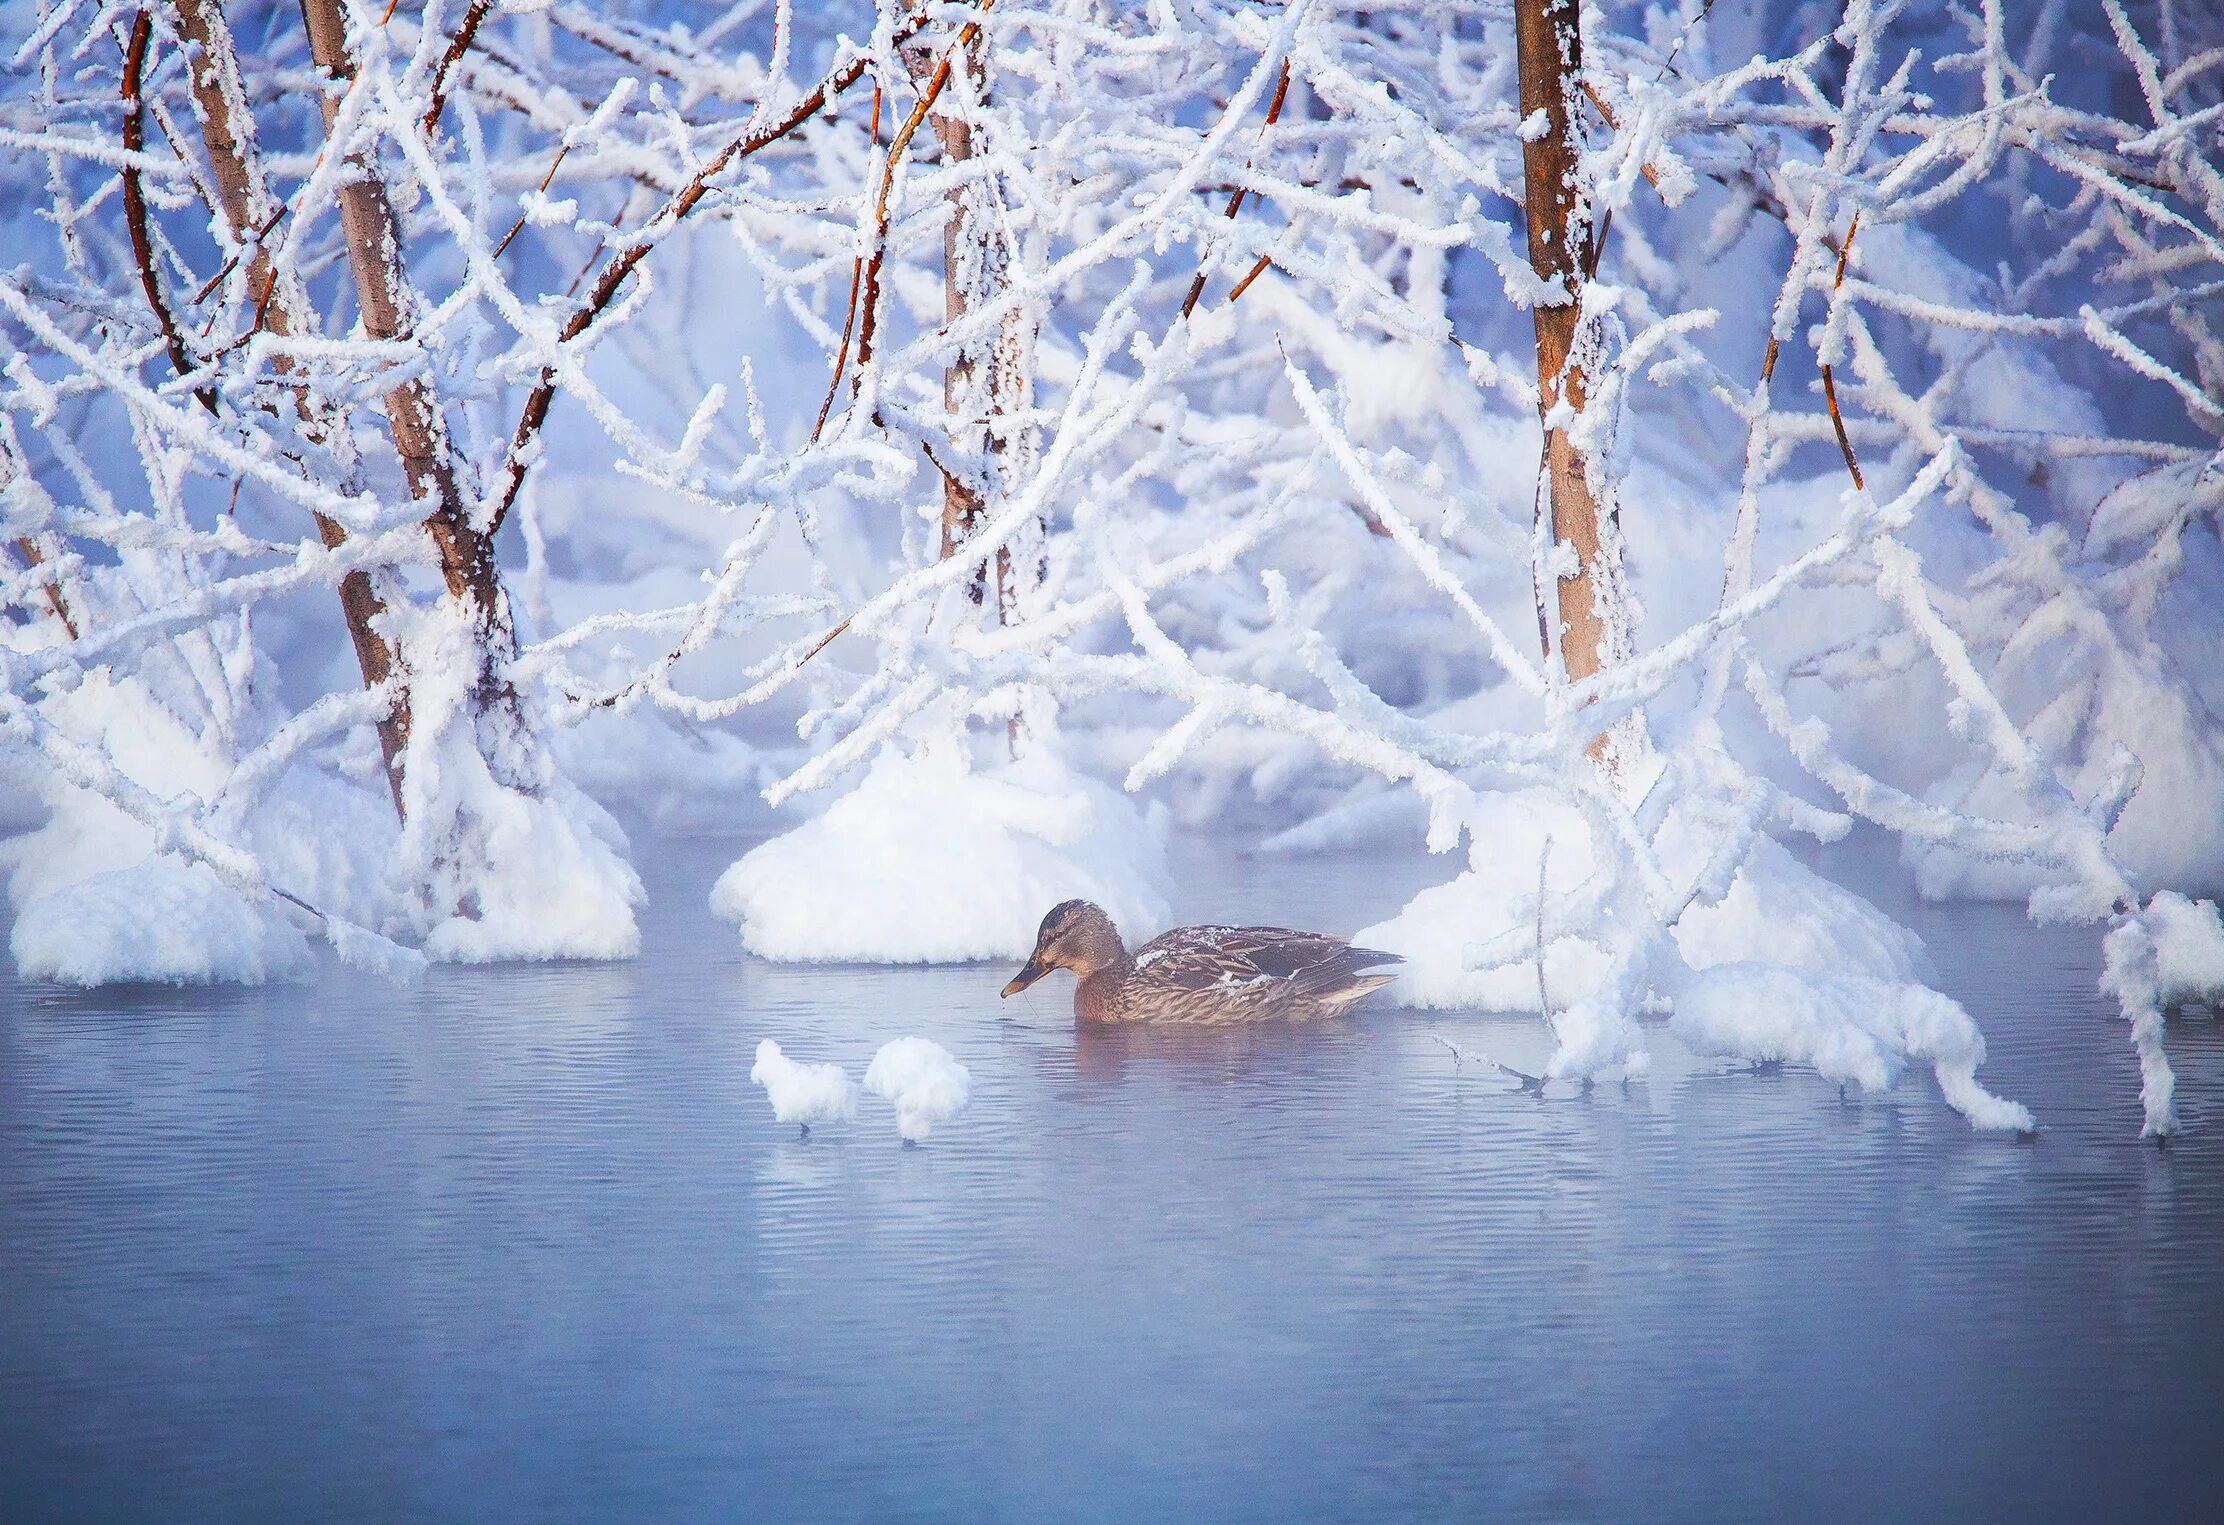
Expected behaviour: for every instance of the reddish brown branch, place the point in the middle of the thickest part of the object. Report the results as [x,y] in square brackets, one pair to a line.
[849,315]
[1235,199]
[135,205]
[231,261]
[60,605]
[1257,269]
[868,323]
[458,45]
[1829,384]
[519,225]
[213,74]
[623,264]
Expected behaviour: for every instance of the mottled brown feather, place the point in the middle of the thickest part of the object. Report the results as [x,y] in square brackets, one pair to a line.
[1204,974]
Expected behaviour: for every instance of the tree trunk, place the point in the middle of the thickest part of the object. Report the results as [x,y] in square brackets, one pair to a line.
[388,310]
[984,385]
[251,214]
[1590,606]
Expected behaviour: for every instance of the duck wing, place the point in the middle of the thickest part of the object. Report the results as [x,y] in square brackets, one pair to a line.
[1260,958]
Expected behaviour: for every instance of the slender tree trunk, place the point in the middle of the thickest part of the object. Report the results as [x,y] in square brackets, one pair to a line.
[388,309]
[1590,606]
[251,215]
[985,385]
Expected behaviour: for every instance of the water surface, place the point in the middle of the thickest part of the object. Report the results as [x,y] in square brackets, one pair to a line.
[523,1243]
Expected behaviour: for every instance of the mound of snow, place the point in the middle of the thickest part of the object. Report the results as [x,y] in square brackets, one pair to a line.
[929,861]
[804,1093]
[544,877]
[516,862]
[163,920]
[926,1085]
[1470,943]
[1779,911]
[96,902]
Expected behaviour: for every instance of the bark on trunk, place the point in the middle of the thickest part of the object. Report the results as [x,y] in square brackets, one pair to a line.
[251,214]
[1588,606]
[984,385]
[388,309]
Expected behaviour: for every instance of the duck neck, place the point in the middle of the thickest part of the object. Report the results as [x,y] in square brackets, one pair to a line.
[1100,951]
[1095,992]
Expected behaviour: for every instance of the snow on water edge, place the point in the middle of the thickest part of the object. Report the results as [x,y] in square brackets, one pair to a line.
[930,861]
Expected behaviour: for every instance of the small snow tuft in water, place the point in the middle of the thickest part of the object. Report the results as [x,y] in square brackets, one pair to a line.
[926,1085]
[804,1093]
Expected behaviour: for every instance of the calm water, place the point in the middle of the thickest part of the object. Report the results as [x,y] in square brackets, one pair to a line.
[525,1244]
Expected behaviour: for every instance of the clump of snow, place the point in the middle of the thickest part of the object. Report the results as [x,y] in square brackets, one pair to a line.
[1471,943]
[516,862]
[804,1093]
[926,1085]
[1780,911]
[2189,948]
[98,903]
[1853,1030]
[165,921]
[931,861]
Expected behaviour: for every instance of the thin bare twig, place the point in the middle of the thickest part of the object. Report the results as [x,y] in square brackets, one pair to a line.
[458,45]
[135,206]
[1829,384]
[849,315]
[51,588]
[623,264]
[231,262]
[1244,285]
[518,226]
[1235,200]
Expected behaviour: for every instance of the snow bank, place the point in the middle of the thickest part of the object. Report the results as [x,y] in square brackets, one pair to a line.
[516,862]
[97,904]
[928,861]
[1471,943]
[163,920]
[544,877]
[804,1093]
[1852,1030]
[926,1085]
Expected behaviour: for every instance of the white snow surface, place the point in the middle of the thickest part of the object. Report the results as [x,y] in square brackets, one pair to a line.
[931,861]
[161,921]
[1853,1030]
[926,1085]
[2189,949]
[803,1093]
[1470,943]
[96,903]
[523,866]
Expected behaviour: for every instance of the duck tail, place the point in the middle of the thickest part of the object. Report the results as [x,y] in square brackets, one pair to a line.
[1359,988]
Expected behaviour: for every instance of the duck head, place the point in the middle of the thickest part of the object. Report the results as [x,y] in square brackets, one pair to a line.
[1075,935]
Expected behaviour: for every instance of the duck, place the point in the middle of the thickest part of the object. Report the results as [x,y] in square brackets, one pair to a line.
[1202,974]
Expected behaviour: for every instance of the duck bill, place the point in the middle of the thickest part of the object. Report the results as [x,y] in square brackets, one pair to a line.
[1034,970]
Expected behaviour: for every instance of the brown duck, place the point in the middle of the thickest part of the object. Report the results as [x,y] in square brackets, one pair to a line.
[1199,974]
